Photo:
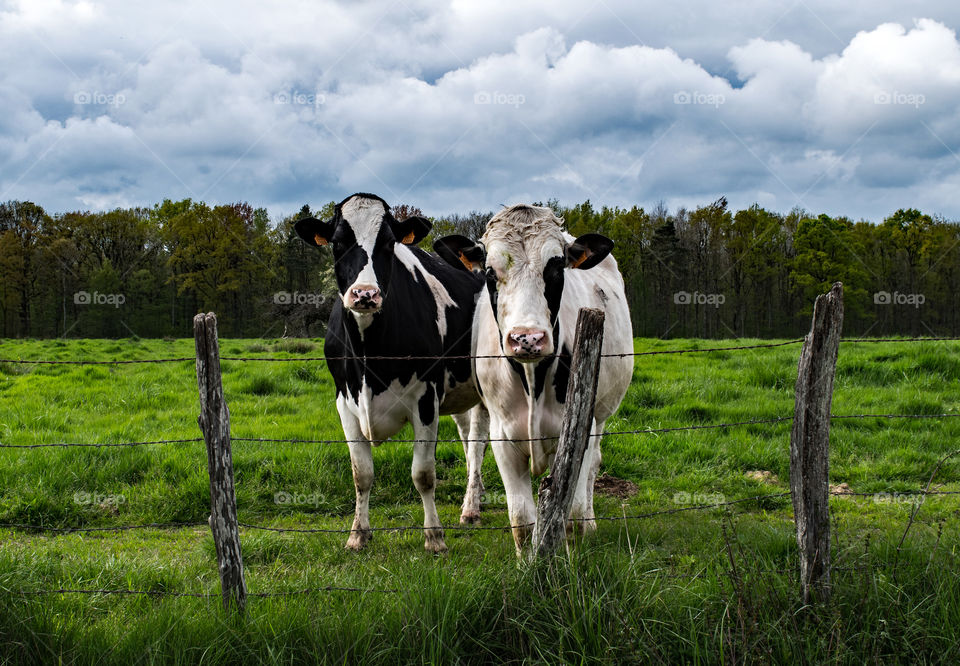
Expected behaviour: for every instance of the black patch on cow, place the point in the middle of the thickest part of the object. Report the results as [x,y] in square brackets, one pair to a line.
[553,287]
[349,257]
[426,405]
[603,295]
[491,278]
[540,376]
[517,368]
[364,195]
[561,378]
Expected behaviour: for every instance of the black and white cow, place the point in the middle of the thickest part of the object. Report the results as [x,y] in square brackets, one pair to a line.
[397,300]
[538,277]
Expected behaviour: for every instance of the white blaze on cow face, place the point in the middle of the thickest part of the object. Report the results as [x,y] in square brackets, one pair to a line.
[364,217]
[525,260]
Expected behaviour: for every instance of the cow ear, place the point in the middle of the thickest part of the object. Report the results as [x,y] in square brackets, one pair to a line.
[412,230]
[461,252]
[588,251]
[313,231]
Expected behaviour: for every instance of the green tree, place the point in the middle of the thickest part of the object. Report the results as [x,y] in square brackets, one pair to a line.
[827,252]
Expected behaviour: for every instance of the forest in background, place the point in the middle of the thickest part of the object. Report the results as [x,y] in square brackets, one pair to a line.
[710,272]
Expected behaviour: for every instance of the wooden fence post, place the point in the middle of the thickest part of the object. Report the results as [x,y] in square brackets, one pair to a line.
[810,444]
[214,421]
[557,490]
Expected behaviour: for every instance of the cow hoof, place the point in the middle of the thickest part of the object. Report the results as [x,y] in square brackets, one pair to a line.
[433,542]
[358,540]
[470,518]
[522,536]
[435,547]
[580,527]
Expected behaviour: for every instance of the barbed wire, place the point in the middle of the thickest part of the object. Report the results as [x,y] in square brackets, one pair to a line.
[400,528]
[456,440]
[855,340]
[893,416]
[501,356]
[642,431]
[111,362]
[459,357]
[893,493]
[115,528]
[104,445]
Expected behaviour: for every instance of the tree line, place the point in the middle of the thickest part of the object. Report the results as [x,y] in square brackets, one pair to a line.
[708,272]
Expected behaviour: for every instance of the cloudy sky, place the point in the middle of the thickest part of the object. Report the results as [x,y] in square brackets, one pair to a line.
[847,108]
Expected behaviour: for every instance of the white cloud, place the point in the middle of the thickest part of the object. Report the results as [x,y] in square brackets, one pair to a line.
[465,106]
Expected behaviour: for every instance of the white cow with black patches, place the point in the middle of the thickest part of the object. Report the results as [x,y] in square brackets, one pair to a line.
[538,277]
[397,300]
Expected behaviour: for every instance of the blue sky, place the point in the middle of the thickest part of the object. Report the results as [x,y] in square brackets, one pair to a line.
[454,106]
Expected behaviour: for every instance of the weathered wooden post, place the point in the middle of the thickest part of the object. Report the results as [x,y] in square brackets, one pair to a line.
[214,421]
[810,444]
[557,490]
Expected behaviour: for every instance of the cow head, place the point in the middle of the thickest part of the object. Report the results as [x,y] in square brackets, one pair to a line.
[524,254]
[363,234]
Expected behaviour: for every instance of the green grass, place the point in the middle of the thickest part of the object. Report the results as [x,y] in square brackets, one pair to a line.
[702,587]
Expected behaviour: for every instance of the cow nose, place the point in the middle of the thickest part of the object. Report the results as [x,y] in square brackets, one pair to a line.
[527,342]
[365,298]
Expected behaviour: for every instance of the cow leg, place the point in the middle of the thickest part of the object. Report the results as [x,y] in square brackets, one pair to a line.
[582,508]
[463,429]
[361,460]
[513,462]
[424,473]
[470,512]
[591,524]
[478,420]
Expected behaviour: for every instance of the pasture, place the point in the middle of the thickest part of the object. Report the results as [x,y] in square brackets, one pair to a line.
[705,586]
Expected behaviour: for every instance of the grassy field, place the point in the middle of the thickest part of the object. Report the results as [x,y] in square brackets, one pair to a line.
[700,586]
